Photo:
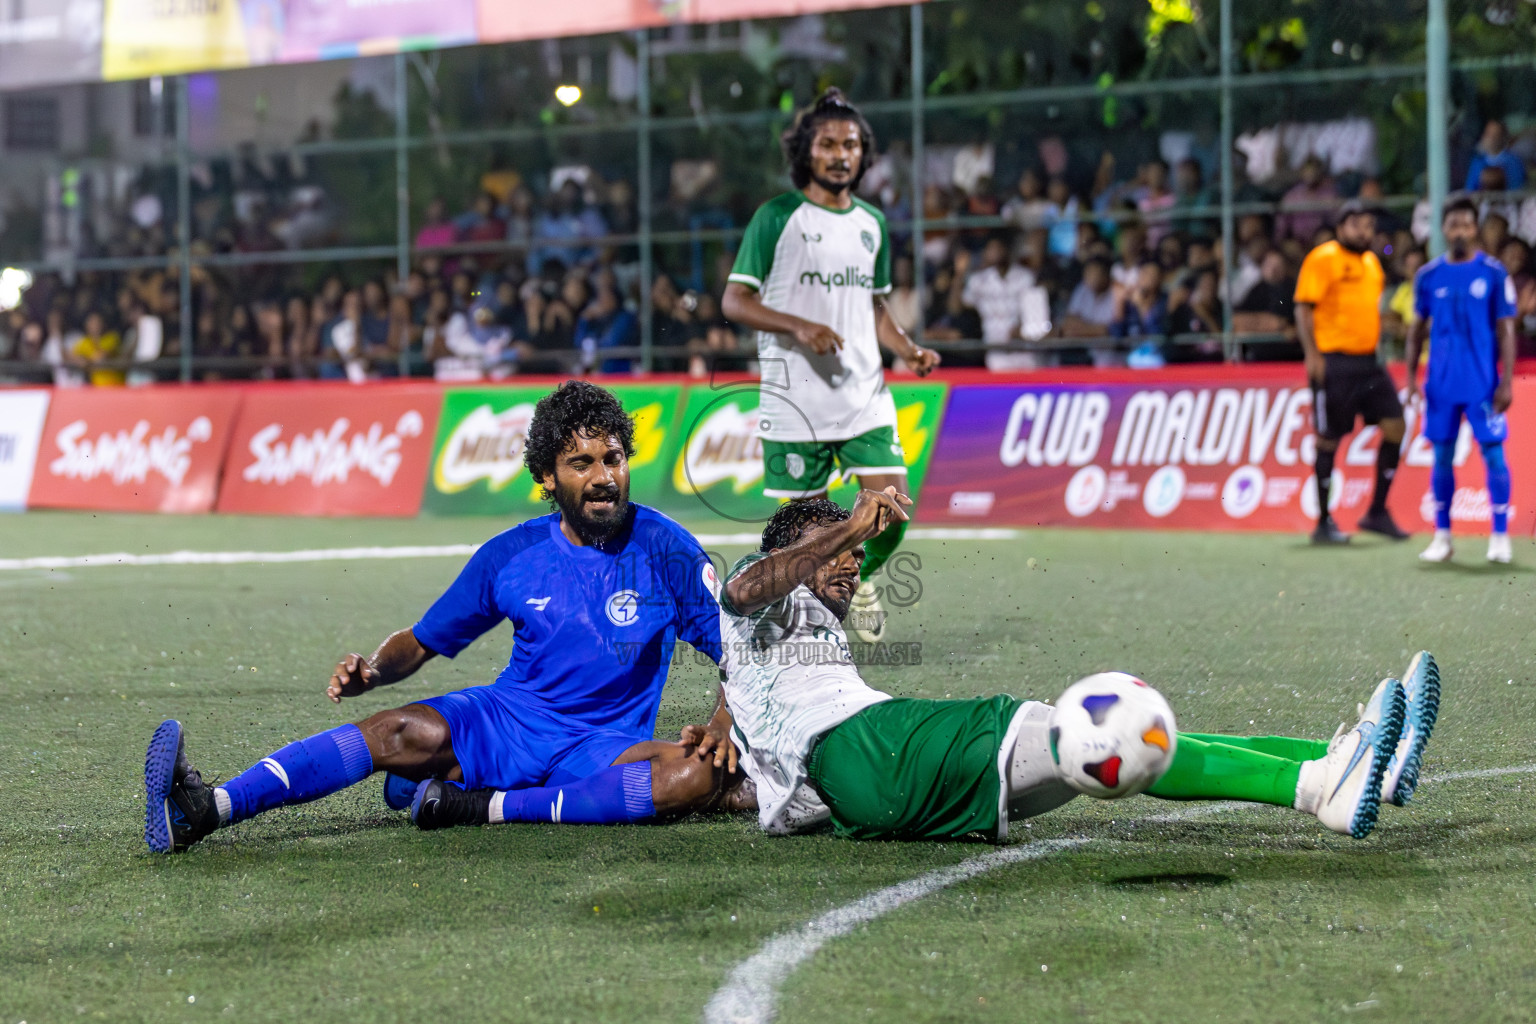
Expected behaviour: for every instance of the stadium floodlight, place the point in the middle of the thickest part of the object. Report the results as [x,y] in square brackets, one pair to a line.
[568,95]
[13,282]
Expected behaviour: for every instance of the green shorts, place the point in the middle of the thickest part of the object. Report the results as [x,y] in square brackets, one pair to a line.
[804,469]
[916,769]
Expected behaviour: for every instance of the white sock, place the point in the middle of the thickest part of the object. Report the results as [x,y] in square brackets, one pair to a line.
[496,805]
[1034,786]
[1309,786]
[221,801]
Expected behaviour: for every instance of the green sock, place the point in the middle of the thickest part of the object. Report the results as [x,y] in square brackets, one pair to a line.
[1210,768]
[881,547]
[1281,746]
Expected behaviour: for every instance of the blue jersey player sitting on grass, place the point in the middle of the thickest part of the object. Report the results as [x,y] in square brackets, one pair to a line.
[598,592]
[1465,302]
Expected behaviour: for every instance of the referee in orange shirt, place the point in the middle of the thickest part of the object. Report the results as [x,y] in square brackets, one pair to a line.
[1338,317]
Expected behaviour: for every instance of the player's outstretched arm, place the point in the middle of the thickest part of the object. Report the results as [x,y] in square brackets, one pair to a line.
[743,305]
[399,656]
[769,579]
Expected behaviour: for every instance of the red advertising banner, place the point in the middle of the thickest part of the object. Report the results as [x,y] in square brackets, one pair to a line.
[1207,448]
[332,450]
[138,450]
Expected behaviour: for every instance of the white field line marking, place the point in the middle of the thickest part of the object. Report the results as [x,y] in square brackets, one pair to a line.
[750,993]
[1480,773]
[373,553]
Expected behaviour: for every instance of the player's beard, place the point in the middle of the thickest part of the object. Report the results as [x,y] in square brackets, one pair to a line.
[1352,246]
[594,525]
[834,187]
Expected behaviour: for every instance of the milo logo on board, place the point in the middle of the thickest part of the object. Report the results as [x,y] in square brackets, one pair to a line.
[725,445]
[486,445]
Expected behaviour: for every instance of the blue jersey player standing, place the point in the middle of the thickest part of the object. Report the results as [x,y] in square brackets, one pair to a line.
[598,592]
[1465,302]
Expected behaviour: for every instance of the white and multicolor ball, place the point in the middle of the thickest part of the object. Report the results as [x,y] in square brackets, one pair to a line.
[1112,735]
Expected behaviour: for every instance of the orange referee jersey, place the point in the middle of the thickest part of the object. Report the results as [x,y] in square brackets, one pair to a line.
[1344,289]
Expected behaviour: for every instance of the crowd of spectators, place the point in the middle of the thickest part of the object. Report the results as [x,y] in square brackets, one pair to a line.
[1124,268]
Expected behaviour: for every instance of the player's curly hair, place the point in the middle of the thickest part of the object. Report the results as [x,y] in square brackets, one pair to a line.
[575,407]
[831,105]
[792,518]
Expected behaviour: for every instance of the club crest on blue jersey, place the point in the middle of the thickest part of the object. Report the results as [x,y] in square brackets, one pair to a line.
[623,608]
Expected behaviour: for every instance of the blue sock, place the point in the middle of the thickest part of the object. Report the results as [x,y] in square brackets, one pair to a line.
[1442,480]
[620,793]
[1498,485]
[300,772]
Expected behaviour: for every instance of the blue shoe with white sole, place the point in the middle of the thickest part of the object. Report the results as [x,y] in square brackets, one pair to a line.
[1421,685]
[1343,787]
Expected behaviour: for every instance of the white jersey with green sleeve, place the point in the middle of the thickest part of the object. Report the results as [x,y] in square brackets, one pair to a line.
[825,266]
[789,679]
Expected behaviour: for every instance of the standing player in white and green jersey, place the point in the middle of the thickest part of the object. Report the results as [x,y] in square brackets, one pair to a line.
[809,279]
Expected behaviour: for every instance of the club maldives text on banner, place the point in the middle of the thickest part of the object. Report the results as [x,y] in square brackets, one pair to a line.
[139,450]
[331,450]
[22,414]
[477,461]
[1206,448]
[716,464]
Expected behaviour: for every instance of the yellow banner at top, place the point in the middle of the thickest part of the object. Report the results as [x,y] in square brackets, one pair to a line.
[166,37]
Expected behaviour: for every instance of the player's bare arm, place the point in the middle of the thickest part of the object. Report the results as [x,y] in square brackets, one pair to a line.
[895,340]
[1304,333]
[1413,347]
[397,658]
[714,738]
[770,579]
[1504,395]
[743,305]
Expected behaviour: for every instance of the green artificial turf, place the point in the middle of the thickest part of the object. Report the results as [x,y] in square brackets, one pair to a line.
[340,910]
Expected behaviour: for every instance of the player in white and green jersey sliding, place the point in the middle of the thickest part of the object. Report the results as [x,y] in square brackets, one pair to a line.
[809,278]
[820,745]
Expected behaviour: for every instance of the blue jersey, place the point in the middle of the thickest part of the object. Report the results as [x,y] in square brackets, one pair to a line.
[1464,303]
[595,626]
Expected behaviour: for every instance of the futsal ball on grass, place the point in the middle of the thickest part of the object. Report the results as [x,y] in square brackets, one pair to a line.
[1111,735]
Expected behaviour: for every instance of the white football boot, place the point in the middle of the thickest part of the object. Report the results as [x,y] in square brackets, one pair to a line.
[1421,687]
[1343,787]
[866,616]
[1500,551]
[1439,549]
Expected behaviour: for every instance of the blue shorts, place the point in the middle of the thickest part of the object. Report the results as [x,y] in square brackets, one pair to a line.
[1442,421]
[504,743]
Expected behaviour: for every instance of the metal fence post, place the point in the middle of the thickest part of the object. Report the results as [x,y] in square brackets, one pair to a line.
[402,193]
[1437,75]
[919,271]
[643,186]
[184,222]
[1228,234]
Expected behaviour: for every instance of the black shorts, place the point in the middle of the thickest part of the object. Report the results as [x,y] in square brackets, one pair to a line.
[1353,386]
